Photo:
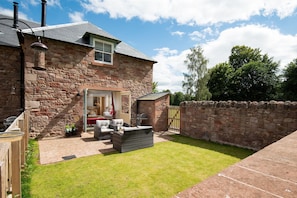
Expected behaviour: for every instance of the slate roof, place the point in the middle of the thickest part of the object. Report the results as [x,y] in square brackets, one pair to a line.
[153,96]
[75,33]
[8,36]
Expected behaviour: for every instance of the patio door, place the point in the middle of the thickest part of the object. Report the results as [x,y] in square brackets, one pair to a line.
[85,114]
[125,106]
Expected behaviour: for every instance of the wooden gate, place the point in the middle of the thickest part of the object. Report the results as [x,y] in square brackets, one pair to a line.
[174,118]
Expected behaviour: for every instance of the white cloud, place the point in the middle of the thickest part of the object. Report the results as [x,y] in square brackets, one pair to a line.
[76,17]
[168,72]
[34,2]
[25,4]
[53,3]
[196,36]
[203,34]
[9,12]
[279,46]
[191,12]
[178,33]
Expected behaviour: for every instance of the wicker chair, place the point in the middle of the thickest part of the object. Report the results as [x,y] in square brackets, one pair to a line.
[102,130]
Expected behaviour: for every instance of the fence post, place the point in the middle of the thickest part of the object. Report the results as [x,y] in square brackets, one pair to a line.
[4,169]
[23,143]
[16,168]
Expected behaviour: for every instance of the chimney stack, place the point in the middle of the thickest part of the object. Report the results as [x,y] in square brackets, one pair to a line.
[15,15]
[43,13]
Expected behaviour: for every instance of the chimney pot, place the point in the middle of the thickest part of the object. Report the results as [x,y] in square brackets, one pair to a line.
[43,13]
[15,15]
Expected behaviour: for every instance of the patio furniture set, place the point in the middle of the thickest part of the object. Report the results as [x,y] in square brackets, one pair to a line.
[124,138]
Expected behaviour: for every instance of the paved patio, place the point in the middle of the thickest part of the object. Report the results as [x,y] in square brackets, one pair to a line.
[60,149]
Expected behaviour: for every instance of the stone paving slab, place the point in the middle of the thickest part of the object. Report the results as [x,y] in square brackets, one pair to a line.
[60,149]
[270,172]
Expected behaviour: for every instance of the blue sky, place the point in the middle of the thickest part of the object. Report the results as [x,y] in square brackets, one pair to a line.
[165,30]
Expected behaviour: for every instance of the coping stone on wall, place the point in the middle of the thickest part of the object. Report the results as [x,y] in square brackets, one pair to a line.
[241,104]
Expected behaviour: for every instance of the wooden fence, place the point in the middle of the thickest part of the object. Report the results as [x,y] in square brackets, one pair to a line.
[13,158]
[174,118]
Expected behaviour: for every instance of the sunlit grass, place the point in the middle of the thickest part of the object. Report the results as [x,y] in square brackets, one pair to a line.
[159,171]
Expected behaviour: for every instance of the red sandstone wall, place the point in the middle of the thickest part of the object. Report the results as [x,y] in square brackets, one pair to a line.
[245,124]
[10,76]
[157,112]
[51,94]
[161,115]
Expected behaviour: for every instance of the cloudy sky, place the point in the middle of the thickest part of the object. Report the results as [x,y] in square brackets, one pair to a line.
[165,30]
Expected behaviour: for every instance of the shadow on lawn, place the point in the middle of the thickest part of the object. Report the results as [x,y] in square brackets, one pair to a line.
[234,151]
[217,147]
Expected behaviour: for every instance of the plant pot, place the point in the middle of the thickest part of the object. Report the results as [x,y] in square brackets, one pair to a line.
[73,131]
[68,134]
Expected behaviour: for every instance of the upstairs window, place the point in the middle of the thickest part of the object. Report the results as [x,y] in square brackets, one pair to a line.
[103,51]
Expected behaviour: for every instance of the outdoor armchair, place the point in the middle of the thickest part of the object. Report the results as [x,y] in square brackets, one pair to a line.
[102,130]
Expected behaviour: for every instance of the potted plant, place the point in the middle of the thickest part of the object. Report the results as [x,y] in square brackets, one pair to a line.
[73,129]
[68,130]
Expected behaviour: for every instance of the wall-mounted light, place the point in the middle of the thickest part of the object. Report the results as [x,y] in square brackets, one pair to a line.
[12,91]
[78,95]
[39,54]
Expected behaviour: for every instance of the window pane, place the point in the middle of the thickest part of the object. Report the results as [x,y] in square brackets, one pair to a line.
[107,48]
[107,58]
[99,46]
[98,56]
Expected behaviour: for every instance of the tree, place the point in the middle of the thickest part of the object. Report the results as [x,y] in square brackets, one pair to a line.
[155,85]
[241,55]
[253,81]
[289,85]
[249,75]
[218,83]
[196,80]
[177,98]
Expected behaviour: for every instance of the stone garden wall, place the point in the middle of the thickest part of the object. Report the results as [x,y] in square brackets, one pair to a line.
[251,125]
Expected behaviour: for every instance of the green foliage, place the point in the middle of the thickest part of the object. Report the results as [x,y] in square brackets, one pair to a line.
[30,166]
[241,55]
[155,87]
[249,75]
[196,78]
[159,171]
[219,81]
[253,81]
[178,97]
[289,85]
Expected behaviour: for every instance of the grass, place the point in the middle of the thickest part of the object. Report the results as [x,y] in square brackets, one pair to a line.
[159,171]
[30,165]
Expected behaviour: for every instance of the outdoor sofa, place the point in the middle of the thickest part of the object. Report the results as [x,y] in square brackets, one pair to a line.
[133,138]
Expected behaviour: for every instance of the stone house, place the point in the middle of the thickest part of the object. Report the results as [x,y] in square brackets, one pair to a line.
[86,74]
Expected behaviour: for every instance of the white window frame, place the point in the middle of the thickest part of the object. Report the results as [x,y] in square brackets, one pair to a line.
[103,52]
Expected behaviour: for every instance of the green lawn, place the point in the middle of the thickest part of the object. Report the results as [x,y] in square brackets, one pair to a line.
[159,171]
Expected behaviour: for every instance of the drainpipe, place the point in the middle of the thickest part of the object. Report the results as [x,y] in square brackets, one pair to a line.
[22,79]
[22,57]
[43,13]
